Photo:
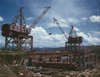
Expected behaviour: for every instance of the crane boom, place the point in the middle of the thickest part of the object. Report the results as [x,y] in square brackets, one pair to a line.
[55,20]
[19,16]
[72,31]
[39,17]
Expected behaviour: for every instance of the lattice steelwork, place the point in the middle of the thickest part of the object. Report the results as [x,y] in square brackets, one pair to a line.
[74,41]
[20,43]
[17,33]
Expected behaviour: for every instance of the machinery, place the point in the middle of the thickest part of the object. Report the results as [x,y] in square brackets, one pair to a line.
[73,37]
[55,20]
[17,33]
[74,40]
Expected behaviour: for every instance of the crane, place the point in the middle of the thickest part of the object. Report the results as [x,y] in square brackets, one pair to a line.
[73,32]
[55,21]
[17,33]
[15,28]
[73,41]
[39,17]
[21,18]
[73,37]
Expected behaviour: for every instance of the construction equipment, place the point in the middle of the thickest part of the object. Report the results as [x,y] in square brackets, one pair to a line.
[74,40]
[55,21]
[50,31]
[38,18]
[17,33]
[73,37]
[15,28]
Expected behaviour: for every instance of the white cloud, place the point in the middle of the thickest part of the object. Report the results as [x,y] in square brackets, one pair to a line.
[43,39]
[95,33]
[73,20]
[84,19]
[1,18]
[88,39]
[94,18]
[76,29]
[29,18]
[2,40]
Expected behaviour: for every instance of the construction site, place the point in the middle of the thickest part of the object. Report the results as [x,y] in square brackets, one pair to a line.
[19,58]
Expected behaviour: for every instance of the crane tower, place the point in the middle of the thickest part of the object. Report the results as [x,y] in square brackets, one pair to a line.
[73,41]
[17,33]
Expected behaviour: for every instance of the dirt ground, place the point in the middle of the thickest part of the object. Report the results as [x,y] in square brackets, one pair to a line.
[46,72]
[15,71]
[22,71]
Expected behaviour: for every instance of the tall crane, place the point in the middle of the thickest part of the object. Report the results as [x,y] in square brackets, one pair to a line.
[73,40]
[55,21]
[17,34]
[73,37]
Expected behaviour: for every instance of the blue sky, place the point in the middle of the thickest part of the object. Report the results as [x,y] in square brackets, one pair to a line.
[83,14]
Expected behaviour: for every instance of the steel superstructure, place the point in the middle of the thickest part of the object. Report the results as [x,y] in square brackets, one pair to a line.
[17,33]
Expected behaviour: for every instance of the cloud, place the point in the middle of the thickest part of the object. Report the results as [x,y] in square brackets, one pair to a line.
[76,29]
[73,20]
[29,18]
[94,18]
[1,18]
[2,40]
[43,39]
[88,39]
[95,33]
[84,19]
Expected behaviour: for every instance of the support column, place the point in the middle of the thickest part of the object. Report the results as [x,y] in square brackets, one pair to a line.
[6,42]
[22,42]
[68,58]
[18,44]
[31,43]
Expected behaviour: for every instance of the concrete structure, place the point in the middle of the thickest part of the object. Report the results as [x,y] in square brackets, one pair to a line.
[82,60]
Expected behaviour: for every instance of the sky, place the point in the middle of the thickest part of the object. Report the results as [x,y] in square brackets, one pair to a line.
[84,15]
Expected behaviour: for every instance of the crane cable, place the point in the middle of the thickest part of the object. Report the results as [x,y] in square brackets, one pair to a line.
[55,21]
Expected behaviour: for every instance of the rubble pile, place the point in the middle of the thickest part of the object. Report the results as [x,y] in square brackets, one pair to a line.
[64,73]
[15,71]
[22,71]
[6,72]
[90,73]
